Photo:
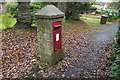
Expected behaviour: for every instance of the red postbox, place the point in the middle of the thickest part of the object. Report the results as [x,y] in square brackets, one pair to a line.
[57,36]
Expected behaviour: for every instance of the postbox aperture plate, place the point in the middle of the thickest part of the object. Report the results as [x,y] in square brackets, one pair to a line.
[57,36]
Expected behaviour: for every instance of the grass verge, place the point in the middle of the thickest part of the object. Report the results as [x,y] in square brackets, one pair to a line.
[93,20]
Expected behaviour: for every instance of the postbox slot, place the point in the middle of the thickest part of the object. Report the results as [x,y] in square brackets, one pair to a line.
[57,27]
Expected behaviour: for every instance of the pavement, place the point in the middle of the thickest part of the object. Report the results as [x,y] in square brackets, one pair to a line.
[105,34]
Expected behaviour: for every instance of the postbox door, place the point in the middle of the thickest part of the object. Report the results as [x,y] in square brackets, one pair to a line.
[57,37]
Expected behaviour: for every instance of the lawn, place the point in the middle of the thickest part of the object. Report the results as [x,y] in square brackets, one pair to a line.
[92,20]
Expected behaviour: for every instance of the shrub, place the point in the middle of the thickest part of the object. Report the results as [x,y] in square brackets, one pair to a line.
[12,9]
[34,8]
[115,67]
[7,20]
[75,8]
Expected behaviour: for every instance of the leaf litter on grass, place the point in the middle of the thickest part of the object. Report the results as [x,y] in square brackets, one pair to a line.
[20,48]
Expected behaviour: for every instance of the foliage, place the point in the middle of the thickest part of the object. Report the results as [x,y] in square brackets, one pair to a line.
[7,21]
[115,5]
[35,7]
[112,15]
[98,11]
[75,8]
[115,70]
[118,34]
[12,9]
[72,12]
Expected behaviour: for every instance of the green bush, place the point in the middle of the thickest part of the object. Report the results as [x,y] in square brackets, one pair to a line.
[115,67]
[73,9]
[98,12]
[7,21]
[118,35]
[13,10]
[35,7]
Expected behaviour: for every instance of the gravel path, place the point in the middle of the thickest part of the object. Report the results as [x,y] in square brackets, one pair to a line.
[107,33]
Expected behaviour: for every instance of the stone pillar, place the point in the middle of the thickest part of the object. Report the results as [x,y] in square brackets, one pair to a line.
[45,19]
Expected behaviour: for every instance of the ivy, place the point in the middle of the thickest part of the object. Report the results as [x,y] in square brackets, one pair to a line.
[34,8]
[115,67]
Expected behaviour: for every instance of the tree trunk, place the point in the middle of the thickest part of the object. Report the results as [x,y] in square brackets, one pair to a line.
[62,6]
[24,19]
